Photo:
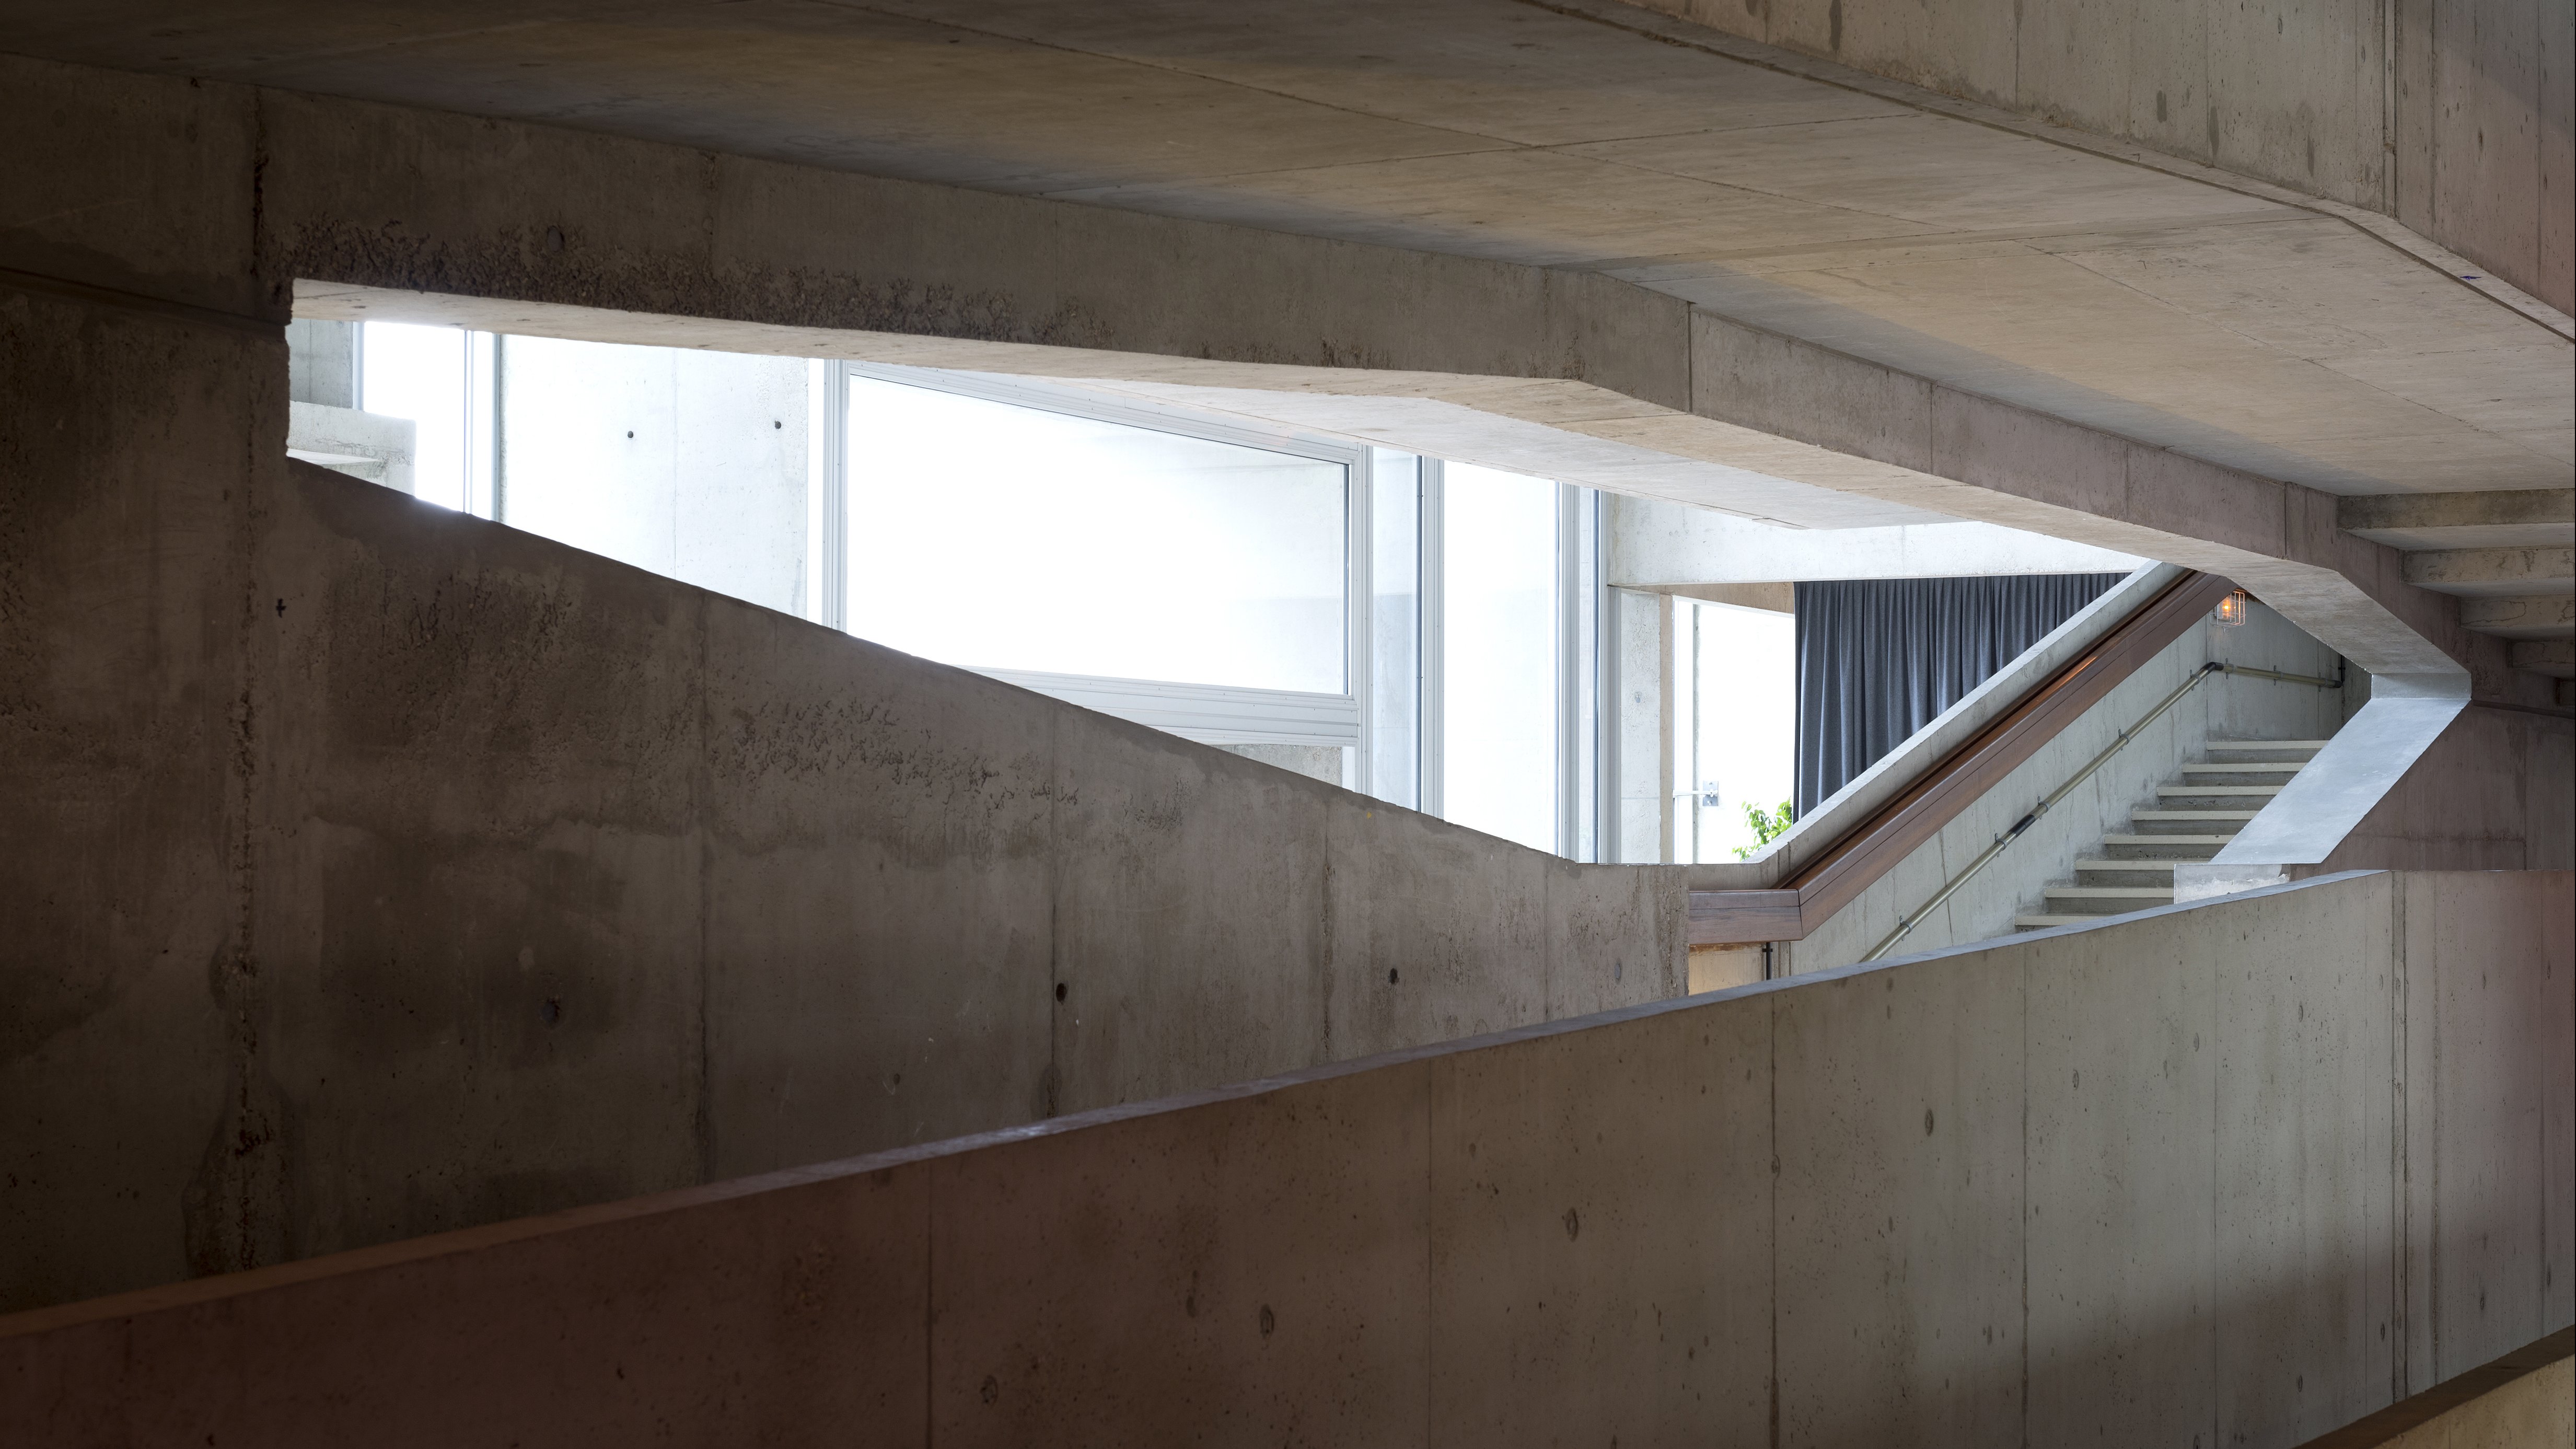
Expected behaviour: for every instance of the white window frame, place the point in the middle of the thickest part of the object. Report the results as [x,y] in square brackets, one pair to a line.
[1210,714]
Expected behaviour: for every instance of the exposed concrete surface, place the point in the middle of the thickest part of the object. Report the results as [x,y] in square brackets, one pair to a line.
[271,756]
[2540,616]
[1657,545]
[2497,791]
[2112,1184]
[430,873]
[2463,520]
[707,483]
[1980,387]
[360,444]
[2452,116]
[2224,707]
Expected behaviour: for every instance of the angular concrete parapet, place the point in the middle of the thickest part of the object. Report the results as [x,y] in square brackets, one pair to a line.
[361,444]
[2422,778]
[2096,1182]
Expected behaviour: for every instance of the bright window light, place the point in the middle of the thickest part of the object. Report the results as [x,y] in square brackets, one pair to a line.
[998,536]
[1499,750]
[1744,724]
[417,372]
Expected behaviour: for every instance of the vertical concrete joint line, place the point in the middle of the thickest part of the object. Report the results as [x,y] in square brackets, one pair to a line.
[2025,1200]
[1771,1079]
[259,184]
[1052,1083]
[703,826]
[930,1304]
[2401,1234]
[2433,1179]
[1430,1252]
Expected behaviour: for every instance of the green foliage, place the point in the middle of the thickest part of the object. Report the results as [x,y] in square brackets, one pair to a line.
[1767,827]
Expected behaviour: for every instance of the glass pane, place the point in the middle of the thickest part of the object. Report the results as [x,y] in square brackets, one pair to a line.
[418,372]
[1499,616]
[688,463]
[1005,537]
[1583,674]
[1395,652]
[1746,719]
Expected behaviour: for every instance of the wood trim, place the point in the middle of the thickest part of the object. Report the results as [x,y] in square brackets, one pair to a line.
[1897,829]
[1736,918]
[2389,1424]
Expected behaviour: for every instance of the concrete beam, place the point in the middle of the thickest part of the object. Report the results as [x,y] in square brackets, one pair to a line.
[2446,119]
[2494,572]
[2539,616]
[2415,512]
[1656,545]
[1630,379]
[2515,517]
[2553,657]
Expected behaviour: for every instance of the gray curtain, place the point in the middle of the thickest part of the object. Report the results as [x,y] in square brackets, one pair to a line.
[1879,658]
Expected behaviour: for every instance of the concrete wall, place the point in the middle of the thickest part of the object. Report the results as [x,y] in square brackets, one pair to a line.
[2450,115]
[283,200]
[691,464]
[2112,1186]
[2497,791]
[376,870]
[2224,707]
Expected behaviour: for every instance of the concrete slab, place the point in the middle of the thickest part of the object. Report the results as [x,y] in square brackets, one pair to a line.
[134,641]
[1569,1309]
[1474,963]
[1446,132]
[573,882]
[1324,1257]
[2494,1035]
[1900,1239]
[2123,1058]
[782,1317]
[1303,1313]
[2494,572]
[877,866]
[2299,1091]
[477,820]
[1171,920]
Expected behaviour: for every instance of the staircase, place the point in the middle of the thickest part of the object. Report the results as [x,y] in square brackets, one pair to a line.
[2193,817]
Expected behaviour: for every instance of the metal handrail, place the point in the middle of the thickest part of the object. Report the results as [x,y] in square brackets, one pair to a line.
[1906,924]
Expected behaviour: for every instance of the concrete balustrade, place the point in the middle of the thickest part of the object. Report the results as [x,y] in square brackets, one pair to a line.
[2242,1171]
[462,875]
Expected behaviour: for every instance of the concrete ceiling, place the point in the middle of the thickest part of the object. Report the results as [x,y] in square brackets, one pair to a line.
[2155,301]
[2199,317]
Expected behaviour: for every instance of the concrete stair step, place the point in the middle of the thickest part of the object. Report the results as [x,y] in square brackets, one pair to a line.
[2163,847]
[2158,873]
[2043,922]
[2298,750]
[2188,822]
[2106,899]
[2215,797]
[2250,772]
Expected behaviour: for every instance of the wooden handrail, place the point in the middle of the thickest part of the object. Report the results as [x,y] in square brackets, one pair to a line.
[1869,850]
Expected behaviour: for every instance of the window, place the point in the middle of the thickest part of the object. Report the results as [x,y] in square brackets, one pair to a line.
[1079,545]
[1736,724]
[427,374]
[1501,673]
[1421,631]
[691,464]
[1201,581]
